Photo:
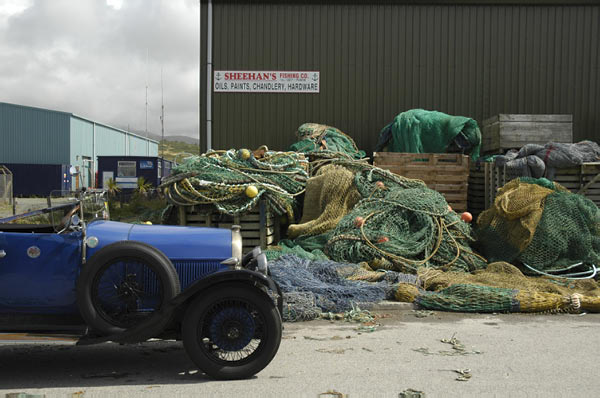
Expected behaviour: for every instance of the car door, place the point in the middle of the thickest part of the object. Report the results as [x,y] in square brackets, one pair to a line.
[38,272]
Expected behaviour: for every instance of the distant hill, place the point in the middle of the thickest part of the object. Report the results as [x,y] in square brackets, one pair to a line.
[175,147]
[181,138]
[177,150]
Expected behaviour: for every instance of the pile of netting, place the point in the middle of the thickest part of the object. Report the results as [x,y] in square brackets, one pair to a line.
[313,287]
[501,287]
[421,131]
[235,180]
[383,219]
[321,141]
[541,225]
[534,160]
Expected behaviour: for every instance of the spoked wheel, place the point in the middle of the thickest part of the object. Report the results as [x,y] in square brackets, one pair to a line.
[126,291]
[123,284]
[232,332]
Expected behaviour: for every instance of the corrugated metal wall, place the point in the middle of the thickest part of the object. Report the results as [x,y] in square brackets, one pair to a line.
[109,141]
[377,60]
[138,146]
[33,135]
[82,139]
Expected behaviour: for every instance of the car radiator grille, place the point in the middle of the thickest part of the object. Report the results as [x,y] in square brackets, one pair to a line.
[191,271]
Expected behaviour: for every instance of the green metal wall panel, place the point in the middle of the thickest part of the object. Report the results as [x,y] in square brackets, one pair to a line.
[110,141]
[33,135]
[380,58]
[139,146]
[82,150]
[82,139]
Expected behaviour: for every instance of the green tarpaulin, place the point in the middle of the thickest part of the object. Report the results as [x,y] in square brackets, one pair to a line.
[421,131]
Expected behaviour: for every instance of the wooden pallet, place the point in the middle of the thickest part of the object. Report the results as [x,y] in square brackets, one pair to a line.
[503,132]
[584,180]
[484,181]
[447,173]
[259,226]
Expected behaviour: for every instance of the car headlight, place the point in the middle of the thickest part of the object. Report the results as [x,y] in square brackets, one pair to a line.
[236,243]
[252,254]
[236,248]
[259,263]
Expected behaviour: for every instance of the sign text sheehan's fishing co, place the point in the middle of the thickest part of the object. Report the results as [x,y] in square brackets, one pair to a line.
[226,81]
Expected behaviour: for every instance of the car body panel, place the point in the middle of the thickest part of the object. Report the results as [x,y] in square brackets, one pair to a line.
[176,242]
[38,272]
[46,284]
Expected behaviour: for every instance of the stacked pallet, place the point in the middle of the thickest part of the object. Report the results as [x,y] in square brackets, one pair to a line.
[447,173]
[476,194]
[512,131]
[584,180]
[259,226]
[503,132]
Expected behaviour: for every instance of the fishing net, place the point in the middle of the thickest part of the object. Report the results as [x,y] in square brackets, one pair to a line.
[329,196]
[507,276]
[501,287]
[398,224]
[324,141]
[421,131]
[404,222]
[234,181]
[311,287]
[540,224]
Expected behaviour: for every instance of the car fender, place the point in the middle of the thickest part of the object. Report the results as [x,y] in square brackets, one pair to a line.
[157,323]
[243,275]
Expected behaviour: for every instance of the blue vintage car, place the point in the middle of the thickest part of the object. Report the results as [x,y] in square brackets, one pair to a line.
[127,283]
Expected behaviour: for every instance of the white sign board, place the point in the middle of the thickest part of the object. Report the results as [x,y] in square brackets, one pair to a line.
[228,81]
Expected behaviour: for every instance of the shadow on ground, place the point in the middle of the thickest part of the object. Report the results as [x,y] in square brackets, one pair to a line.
[46,366]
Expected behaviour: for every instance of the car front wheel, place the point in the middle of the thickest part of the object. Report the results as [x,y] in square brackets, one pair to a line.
[232,331]
[123,284]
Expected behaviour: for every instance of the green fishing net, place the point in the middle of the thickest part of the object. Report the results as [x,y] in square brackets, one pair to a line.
[235,180]
[325,140]
[541,224]
[398,224]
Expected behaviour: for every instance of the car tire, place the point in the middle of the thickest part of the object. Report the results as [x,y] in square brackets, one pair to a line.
[205,337]
[149,269]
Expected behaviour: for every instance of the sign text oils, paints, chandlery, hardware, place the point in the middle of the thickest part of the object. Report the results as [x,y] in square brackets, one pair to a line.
[266,82]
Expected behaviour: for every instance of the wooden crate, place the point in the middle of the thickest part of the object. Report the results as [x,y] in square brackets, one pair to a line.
[484,181]
[259,226]
[502,132]
[584,180]
[447,173]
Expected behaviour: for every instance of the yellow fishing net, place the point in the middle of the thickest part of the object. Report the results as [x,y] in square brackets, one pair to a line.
[329,196]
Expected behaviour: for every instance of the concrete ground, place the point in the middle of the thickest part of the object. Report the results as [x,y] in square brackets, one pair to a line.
[506,355]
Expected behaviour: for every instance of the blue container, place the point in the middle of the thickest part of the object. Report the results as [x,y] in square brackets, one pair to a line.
[126,170]
[39,179]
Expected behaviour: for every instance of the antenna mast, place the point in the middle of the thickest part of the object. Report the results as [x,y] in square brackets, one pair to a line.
[147,143]
[162,115]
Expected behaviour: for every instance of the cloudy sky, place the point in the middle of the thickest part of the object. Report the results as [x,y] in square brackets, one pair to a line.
[94,58]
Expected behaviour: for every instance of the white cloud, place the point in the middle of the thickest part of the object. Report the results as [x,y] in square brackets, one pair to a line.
[8,8]
[116,4]
[86,58]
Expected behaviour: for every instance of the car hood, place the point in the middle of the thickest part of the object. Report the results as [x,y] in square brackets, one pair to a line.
[176,242]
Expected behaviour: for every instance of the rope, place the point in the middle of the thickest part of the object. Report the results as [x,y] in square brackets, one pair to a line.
[233,181]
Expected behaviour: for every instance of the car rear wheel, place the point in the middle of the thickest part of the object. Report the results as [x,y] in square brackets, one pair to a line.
[232,331]
[124,284]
